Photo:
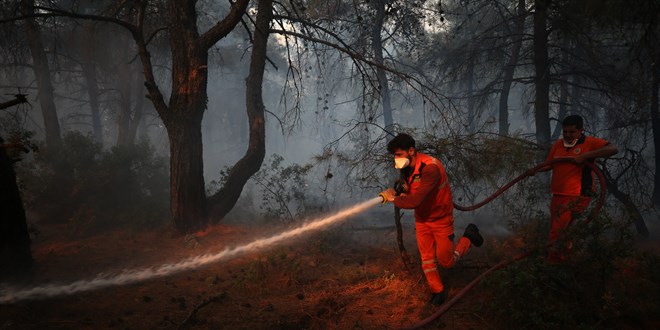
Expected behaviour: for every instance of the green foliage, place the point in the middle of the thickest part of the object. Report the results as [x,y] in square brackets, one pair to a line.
[88,187]
[607,282]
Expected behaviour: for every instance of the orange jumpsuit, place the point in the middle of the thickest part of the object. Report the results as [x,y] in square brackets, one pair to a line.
[430,197]
[572,187]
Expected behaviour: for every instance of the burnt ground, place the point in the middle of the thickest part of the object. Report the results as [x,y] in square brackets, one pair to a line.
[346,277]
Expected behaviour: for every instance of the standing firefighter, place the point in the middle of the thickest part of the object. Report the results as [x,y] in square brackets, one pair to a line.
[429,195]
[572,184]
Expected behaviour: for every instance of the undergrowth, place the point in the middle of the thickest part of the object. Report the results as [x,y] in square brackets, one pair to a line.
[607,282]
[88,188]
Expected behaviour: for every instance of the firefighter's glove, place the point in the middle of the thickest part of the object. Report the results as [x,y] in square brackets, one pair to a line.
[387,195]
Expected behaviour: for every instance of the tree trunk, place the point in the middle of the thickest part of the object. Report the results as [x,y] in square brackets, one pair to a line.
[542,75]
[15,255]
[125,96]
[184,119]
[89,70]
[629,205]
[42,73]
[182,115]
[138,109]
[399,238]
[655,120]
[510,68]
[225,199]
[563,100]
[377,48]
[187,196]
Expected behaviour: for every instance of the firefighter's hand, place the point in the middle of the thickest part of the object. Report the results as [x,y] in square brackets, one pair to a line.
[387,195]
[401,187]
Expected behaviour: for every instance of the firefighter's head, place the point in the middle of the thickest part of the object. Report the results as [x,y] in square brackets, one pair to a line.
[402,147]
[572,129]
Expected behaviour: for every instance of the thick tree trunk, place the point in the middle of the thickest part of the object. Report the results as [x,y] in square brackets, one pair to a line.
[223,201]
[183,119]
[542,75]
[187,196]
[510,68]
[42,73]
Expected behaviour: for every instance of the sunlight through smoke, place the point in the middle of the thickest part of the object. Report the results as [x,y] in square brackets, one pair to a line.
[136,275]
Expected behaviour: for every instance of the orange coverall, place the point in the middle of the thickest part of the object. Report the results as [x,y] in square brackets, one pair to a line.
[430,197]
[572,187]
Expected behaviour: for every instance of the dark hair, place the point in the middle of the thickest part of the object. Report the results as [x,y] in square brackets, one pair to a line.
[573,120]
[401,141]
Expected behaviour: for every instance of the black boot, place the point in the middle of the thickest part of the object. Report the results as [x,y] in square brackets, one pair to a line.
[472,233]
[438,298]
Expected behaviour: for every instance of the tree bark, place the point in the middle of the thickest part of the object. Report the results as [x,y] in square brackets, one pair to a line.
[138,109]
[125,96]
[184,118]
[89,70]
[225,199]
[510,68]
[563,99]
[655,120]
[542,75]
[42,73]
[377,48]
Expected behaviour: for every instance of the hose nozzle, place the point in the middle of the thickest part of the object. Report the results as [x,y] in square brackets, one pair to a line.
[384,199]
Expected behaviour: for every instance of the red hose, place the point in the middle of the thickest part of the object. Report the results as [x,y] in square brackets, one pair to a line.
[599,204]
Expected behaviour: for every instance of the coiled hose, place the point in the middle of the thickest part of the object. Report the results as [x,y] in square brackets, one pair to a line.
[599,204]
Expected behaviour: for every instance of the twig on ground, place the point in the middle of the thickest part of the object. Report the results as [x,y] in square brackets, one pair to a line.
[199,306]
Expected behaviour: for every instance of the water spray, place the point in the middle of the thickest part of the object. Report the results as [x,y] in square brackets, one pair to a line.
[11,295]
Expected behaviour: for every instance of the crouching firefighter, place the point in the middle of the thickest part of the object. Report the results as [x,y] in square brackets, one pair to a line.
[424,188]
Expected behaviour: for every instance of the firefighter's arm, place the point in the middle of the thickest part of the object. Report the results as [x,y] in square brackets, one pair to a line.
[603,152]
[430,178]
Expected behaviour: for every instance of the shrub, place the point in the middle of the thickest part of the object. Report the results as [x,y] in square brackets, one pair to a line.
[607,282]
[88,187]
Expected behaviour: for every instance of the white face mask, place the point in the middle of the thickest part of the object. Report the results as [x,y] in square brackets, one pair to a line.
[569,145]
[401,162]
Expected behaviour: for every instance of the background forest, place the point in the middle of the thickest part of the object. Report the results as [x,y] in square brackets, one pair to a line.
[180,116]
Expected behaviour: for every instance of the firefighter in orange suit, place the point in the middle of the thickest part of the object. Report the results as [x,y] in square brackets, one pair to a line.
[429,195]
[572,184]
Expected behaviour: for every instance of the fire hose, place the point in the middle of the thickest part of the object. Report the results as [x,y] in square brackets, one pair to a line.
[596,209]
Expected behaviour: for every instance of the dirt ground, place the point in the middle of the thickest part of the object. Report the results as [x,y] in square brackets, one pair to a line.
[344,277]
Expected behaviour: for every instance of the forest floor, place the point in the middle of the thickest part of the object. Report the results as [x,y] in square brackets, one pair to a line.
[344,277]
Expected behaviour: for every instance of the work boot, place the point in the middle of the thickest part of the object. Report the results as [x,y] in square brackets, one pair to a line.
[438,298]
[472,233]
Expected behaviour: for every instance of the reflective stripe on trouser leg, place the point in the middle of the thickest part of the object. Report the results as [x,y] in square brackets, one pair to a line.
[432,276]
[428,243]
